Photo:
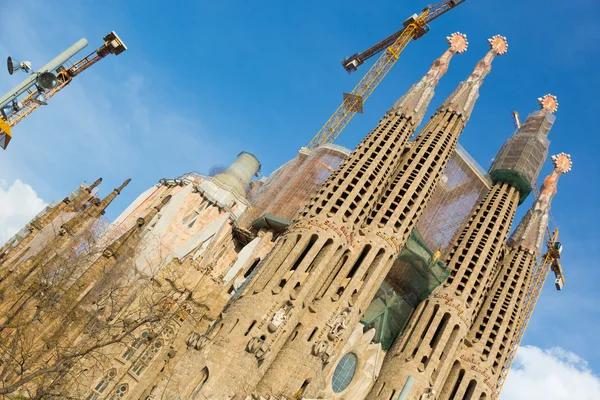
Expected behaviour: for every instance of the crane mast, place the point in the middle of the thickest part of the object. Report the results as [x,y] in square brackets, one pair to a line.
[112,45]
[548,261]
[413,28]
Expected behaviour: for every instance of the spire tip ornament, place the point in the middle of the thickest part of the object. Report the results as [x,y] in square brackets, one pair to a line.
[549,103]
[458,42]
[498,44]
[562,162]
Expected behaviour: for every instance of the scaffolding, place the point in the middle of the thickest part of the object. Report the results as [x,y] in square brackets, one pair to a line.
[460,188]
[290,187]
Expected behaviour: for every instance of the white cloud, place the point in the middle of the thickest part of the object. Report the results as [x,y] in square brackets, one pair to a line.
[554,374]
[18,204]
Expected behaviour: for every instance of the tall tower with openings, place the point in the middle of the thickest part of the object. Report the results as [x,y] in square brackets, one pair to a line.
[259,322]
[428,348]
[349,286]
[492,335]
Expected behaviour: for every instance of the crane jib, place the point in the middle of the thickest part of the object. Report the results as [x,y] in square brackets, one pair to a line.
[391,47]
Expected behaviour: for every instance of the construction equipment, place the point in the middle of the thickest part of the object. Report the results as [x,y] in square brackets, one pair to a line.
[413,28]
[40,87]
[548,261]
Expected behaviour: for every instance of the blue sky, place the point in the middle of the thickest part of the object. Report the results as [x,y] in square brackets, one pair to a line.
[202,81]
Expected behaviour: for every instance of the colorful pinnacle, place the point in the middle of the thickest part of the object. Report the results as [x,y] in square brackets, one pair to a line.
[562,163]
[549,103]
[458,42]
[498,44]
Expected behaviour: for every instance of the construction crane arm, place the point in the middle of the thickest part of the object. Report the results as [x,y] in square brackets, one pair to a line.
[352,63]
[112,45]
[390,49]
[353,102]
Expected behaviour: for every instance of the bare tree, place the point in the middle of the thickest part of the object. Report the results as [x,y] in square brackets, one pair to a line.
[64,313]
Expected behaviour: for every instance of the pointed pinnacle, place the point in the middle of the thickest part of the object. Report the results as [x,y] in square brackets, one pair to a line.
[548,103]
[562,162]
[458,42]
[498,44]
[118,190]
[93,185]
[163,202]
[141,221]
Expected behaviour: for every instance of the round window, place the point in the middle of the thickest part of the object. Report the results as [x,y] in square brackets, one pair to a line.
[344,372]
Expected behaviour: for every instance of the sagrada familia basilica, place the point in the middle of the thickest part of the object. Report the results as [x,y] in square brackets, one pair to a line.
[386,272]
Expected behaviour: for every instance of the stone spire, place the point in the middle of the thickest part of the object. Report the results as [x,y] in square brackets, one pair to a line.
[117,249]
[39,223]
[463,98]
[492,336]
[414,103]
[529,235]
[82,198]
[347,203]
[105,202]
[96,210]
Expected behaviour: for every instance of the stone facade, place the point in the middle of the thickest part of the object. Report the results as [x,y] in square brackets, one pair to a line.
[232,313]
[438,349]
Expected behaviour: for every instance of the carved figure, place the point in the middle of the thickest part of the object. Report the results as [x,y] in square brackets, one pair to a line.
[339,325]
[258,347]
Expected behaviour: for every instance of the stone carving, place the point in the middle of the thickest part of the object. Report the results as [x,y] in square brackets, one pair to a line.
[339,325]
[197,341]
[371,358]
[280,316]
[324,350]
[548,103]
[258,347]
[278,319]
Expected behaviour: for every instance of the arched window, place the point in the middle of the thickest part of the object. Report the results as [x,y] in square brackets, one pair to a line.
[101,387]
[135,345]
[147,357]
[203,379]
[120,392]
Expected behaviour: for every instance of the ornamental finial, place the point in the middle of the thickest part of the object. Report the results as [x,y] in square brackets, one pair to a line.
[458,42]
[498,44]
[562,163]
[548,103]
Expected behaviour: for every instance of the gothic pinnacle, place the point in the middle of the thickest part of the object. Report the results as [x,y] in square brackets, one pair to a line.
[144,220]
[117,248]
[118,190]
[415,102]
[105,202]
[462,100]
[548,103]
[163,202]
[93,185]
